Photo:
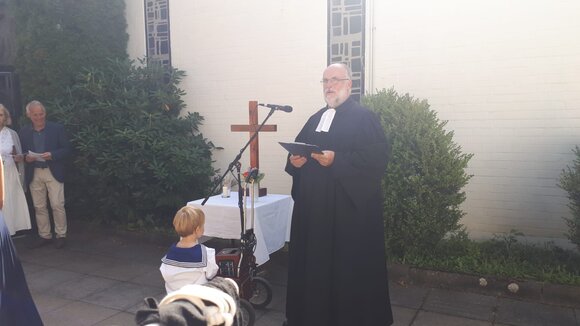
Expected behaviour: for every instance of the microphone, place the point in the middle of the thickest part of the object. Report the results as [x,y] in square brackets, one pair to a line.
[285,108]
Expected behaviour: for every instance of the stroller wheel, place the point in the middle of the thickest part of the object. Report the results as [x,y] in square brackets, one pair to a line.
[262,294]
[247,313]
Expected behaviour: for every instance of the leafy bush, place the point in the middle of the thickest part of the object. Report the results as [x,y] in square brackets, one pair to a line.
[570,181]
[56,38]
[502,256]
[424,177]
[136,160]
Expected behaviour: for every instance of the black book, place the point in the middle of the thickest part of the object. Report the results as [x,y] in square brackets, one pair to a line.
[301,149]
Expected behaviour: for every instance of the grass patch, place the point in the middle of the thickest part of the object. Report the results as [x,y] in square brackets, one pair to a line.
[502,256]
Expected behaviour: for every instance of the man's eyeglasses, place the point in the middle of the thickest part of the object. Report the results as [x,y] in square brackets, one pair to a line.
[332,81]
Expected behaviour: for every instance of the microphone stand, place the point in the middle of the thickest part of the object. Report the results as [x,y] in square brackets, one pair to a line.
[249,238]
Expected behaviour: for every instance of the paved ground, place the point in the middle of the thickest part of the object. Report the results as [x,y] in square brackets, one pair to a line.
[101,279]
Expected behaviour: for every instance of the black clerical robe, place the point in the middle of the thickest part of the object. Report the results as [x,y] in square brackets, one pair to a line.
[337,267]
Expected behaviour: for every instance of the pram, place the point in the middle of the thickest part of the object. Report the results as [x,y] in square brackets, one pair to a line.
[213,303]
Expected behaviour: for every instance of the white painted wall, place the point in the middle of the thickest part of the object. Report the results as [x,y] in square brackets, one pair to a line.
[237,51]
[506,76]
[504,73]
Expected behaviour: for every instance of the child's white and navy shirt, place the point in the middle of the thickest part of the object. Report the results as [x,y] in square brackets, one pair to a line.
[182,266]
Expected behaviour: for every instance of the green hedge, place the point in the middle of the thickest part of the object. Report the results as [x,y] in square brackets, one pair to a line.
[570,181]
[425,176]
[137,161]
[57,38]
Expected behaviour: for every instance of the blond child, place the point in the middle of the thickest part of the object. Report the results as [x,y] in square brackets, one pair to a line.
[188,261]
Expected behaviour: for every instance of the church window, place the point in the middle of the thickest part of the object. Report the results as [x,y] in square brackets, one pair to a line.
[157,29]
[346,34]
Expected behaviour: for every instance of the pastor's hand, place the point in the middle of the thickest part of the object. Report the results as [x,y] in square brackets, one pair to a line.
[297,161]
[324,159]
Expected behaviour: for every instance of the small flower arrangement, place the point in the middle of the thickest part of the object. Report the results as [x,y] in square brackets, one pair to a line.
[253,176]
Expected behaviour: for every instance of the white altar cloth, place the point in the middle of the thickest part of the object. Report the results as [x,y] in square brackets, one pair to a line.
[273,214]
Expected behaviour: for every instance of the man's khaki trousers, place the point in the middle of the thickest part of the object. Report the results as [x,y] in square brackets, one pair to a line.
[42,183]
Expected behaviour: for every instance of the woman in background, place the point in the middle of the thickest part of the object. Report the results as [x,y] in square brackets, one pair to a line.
[15,211]
[16,304]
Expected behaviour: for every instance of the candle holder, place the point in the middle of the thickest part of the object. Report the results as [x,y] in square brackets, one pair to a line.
[225,192]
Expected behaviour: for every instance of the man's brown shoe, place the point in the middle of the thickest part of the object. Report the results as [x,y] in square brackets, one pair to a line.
[60,242]
[39,242]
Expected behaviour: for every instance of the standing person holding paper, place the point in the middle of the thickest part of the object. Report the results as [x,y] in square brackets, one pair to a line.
[337,272]
[45,172]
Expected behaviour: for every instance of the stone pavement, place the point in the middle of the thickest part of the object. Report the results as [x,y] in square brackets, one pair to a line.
[101,278]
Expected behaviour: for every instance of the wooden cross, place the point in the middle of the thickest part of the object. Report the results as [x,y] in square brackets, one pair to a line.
[252,127]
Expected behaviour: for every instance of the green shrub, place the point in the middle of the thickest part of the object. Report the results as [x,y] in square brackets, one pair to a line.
[570,181]
[136,160]
[56,38]
[503,256]
[425,176]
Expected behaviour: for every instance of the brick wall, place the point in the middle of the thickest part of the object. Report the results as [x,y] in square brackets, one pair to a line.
[506,76]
